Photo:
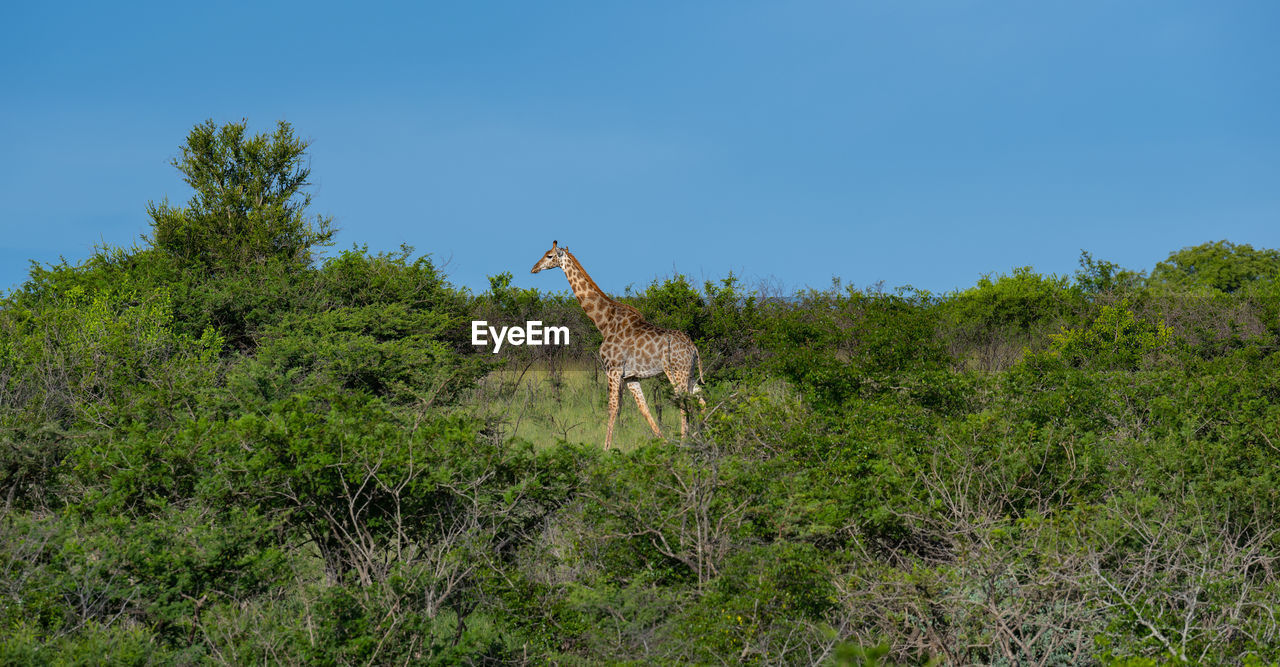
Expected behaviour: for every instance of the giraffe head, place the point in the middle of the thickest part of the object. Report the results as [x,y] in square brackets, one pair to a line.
[551,259]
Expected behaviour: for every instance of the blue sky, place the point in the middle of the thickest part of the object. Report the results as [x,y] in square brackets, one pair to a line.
[922,143]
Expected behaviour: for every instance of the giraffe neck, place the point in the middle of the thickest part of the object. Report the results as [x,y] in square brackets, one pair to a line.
[592,299]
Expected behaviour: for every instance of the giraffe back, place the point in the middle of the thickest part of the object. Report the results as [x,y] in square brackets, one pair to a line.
[642,349]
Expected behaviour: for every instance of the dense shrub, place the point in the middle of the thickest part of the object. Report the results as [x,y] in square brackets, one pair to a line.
[1220,266]
[989,325]
[1115,340]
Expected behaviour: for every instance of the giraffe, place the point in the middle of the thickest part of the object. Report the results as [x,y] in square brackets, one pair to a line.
[633,349]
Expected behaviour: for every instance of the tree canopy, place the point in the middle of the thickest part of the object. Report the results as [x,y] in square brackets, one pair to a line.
[1221,265]
[249,204]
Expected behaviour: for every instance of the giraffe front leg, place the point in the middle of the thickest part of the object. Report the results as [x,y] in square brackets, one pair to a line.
[634,386]
[615,391]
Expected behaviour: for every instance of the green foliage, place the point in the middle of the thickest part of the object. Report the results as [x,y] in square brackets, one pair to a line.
[357,278]
[216,449]
[1115,340]
[84,361]
[673,303]
[732,323]
[310,457]
[73,577]
[248,208]
[836,345]
[756,605]
[385,323]
[504,304]
[674,512]
[390,350]
[92,348]
[512,301]
[1222,266]
[92,645]
[853,655]
[1096,277]
[1021,302]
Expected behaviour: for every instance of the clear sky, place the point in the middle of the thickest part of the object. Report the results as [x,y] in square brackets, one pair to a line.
[921,143]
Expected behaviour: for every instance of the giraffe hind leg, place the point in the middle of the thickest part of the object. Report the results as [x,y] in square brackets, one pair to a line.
[680,383]
[615,392]
[638,393]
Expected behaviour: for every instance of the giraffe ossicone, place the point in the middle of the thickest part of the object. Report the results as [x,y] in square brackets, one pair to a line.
[633,349]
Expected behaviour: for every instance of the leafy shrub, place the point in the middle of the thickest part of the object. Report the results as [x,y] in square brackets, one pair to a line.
[835,346]
[1115,339]
[673,303]
[505,304]
[989,325]
[1018,302]
[390,351]
[1100,277]
[769,602]
[722,320]
[87,361]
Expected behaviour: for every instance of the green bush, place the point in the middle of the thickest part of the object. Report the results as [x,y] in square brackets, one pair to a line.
[838,346]
[391,351]
[85,363]
[1098,278]
[1115,340]
[1220,266]
[769,599]
[1020,302]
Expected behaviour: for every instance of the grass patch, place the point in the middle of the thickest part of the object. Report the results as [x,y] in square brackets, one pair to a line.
[548,406]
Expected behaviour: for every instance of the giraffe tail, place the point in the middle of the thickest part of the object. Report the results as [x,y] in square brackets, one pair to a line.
[697,391]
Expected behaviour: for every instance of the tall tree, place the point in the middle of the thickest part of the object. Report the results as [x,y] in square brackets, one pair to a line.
[249,205]
[1221,265]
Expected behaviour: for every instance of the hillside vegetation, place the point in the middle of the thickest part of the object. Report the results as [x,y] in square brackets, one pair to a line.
[220,447]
